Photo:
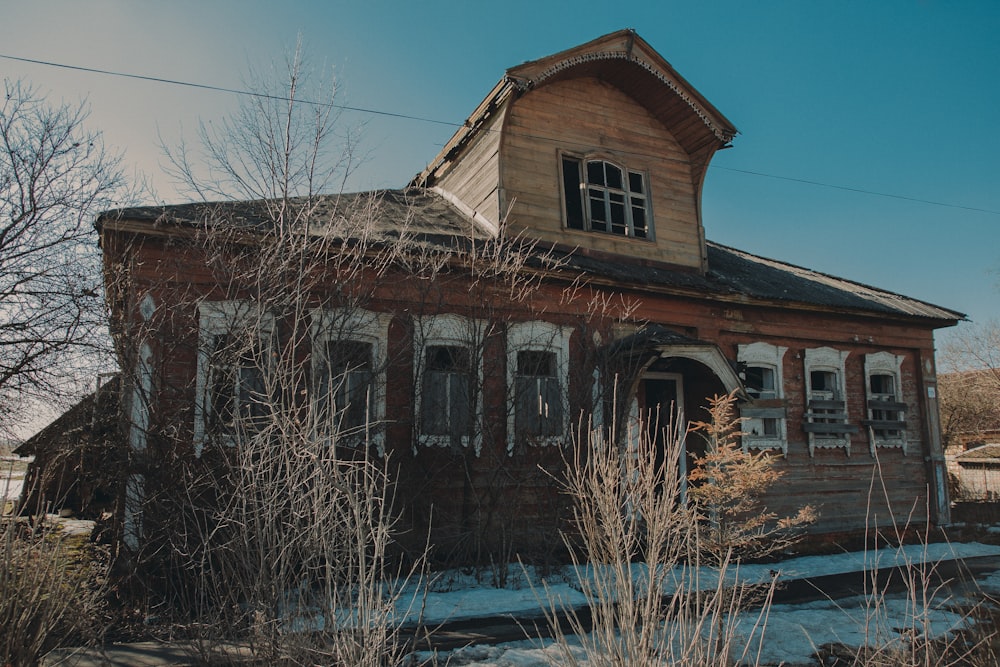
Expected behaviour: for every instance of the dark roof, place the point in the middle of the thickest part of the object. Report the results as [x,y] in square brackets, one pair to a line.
[92,420]
[732,274]
[977,454]
[416,210]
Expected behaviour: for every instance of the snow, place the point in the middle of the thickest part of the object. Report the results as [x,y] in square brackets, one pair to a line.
[793,631]
[454,595]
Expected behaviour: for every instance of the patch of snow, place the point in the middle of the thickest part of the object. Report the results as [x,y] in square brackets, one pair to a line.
[454,595]
[11,488]
[71,527]
[793,633]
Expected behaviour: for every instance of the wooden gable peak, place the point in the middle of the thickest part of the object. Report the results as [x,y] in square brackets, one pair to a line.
[626,60]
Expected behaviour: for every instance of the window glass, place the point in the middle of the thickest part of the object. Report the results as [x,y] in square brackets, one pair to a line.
[882,385]
[823,381]
[345,384]
[616,199]
[760,382]
[446,404]
[635,184]
[538,399]
[236,383]
[883,389]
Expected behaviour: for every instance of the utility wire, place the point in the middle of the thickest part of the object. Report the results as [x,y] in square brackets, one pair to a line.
[390,114]
[862,191]
[221,89]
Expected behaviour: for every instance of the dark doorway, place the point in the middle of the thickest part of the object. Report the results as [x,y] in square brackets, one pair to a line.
[662,407]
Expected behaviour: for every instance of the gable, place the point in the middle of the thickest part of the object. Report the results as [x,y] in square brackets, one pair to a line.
[591,119]
[614,102]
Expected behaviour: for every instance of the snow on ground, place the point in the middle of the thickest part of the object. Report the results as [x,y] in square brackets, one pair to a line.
[793,631]
[11,477]
[454,595]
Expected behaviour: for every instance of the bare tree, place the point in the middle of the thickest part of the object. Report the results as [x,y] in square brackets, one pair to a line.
[54,177]
[970,382]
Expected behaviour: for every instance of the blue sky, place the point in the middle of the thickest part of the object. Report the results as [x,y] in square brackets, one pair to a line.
[897,97]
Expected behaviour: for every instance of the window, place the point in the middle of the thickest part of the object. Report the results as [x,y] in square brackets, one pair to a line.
[826,415]
[345,385]
[448,366]
[764,415]
[232,399]
[238,397]
[601,196]
[348,378]
[537,380]
[446,393]
[886,421]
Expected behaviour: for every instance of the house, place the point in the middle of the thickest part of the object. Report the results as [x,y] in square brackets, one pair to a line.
[970,425]
[78,459]
[551,274]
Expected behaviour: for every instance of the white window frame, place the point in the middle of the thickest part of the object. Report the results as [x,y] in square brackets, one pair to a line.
[582,192]
[364,326]
[217,318]
[829,360]
[764,355]
[538,336]
[885,363]
[455,331]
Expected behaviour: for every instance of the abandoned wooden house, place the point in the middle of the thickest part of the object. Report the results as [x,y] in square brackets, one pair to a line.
[577,288]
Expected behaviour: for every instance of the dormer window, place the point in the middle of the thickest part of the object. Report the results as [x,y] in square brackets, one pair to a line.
[601,196]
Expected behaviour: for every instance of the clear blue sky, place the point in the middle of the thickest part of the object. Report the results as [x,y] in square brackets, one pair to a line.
[897,97]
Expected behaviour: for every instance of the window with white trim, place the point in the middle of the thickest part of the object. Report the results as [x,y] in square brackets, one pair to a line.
[886,423]
[602,196]
[348,375]
[448,380]
[537,381]
[232,398]
[764,415]
[826,420]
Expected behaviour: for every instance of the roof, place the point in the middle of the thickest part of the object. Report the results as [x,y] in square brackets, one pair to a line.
[733,275]
[391,212]
[983,454]
[93,420]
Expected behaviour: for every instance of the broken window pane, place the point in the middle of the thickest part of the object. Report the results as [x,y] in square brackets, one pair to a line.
[760,382]
[571,187]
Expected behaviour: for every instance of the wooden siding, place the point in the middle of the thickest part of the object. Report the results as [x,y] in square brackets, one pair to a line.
[590,117]
[473,178]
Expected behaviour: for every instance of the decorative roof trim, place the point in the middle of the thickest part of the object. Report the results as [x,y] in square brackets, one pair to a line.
[584,58]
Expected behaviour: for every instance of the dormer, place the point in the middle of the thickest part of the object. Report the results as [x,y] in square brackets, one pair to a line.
[602,147]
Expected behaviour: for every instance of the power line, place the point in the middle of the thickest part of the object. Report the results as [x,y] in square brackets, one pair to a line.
[222,89]
[860,190]
[390,114]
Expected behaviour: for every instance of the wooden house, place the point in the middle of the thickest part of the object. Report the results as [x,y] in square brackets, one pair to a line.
[591,161]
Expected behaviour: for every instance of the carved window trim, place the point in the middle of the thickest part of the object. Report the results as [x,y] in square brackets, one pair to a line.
[885,406]
[826,417]
[760,408]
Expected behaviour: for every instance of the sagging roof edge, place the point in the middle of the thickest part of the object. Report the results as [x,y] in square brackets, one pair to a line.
[157,221]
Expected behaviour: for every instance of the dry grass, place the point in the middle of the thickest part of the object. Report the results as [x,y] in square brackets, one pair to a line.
[51,592]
